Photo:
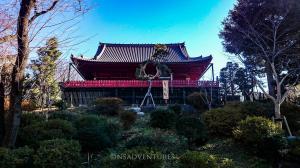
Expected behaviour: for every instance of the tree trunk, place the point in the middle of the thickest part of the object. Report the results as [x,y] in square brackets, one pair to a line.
[232,88]
[2,111]
[278,114]
[251,97]
[270,81]
[209,106]
[246,96]
[225,94]
[277,109]
[13,121]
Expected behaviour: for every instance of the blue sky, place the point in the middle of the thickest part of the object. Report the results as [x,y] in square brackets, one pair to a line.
[195,22]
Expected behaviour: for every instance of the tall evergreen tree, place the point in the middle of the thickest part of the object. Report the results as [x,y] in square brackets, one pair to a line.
[43,69]
[245,82]
[227,76]
[265,34]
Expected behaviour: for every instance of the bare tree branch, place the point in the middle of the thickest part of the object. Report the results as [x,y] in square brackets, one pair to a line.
[37,14]
[7,38]
[264,91]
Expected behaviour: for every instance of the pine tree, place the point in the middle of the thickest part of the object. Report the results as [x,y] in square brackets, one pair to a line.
[43,68]
[227,75]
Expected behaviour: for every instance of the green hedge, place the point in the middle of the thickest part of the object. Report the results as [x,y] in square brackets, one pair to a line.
[58,153]
[31,118]
[110,106]
[294,151]
[128,118]
[64,115]
[197,100]
[195,159]
[260,136]
[166,142]
[292,113]
[96,134]
[139,157]
[88,121]
[163,119]
[20,157]
[263,109]
[95,139]
[176,108]
[193,129]
[32,134]
[142,140]
[221,121]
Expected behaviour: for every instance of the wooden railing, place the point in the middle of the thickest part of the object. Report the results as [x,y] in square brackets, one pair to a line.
[136,83]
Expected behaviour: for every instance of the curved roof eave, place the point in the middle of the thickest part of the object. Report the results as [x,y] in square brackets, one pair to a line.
[191,59]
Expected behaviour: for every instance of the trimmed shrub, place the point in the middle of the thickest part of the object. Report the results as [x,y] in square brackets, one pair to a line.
[193,129]
[259,135]
[166,142]
[140,157]
[188,110]
[94,139]
[142,140]
[292,114]
[31,118]
[264,109]
[110,106]
[60,104]
[193,159]
[96,134]
[23,156]
[58,126]
[176,108]
[294,152]
[107,162]
[64,115]
[128,118]
[58,153]
[88,121]
[221,121]
[259,163]
[163,119]
[197,100]
[6,158]
[225,163]
[20,157]
[171,143]
[32,134]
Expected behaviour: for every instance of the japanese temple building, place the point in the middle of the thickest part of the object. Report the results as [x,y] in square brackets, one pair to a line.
[111,73]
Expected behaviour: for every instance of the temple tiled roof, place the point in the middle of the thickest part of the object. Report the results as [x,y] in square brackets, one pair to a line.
[134,53]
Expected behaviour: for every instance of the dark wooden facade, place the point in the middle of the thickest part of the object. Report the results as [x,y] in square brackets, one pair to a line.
[131,96]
